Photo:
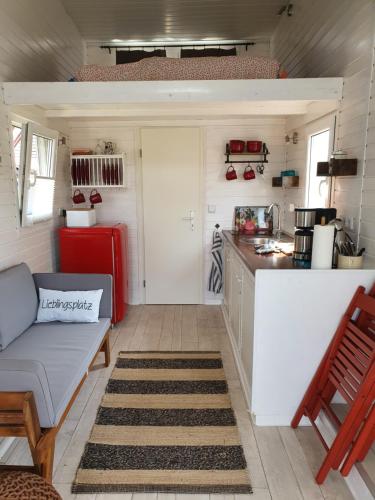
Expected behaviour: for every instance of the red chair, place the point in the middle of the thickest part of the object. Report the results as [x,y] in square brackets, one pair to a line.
[362,444]
[348,367]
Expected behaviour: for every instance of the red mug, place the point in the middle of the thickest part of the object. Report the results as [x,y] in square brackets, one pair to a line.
[95,197]
[78,197]
[249,174]
[231,174]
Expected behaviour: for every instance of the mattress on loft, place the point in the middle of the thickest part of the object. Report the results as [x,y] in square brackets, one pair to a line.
[195,68]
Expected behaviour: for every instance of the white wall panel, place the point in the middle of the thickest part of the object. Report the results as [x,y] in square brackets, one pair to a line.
[121,205]
[38,41]
[336,38]
[225,195]
[367,230]
[34,245]
[96,55]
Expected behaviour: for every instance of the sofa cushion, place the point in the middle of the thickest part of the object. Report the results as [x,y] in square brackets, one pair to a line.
[69,307]
[18,303]
[50,360]
[74,281]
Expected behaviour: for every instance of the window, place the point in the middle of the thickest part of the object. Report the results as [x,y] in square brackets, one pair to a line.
[131,56]
[320,144]
[40,170]
[208,52]
[18,143]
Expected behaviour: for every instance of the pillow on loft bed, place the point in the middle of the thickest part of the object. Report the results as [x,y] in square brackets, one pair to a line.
[195,68]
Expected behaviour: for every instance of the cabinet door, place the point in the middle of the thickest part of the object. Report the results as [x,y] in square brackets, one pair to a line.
[247,324]
[227,279]
[235,303]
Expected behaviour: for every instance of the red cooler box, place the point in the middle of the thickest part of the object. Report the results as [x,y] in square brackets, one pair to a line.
[99,249]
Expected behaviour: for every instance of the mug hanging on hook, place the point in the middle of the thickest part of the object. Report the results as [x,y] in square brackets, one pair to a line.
[95,197]
[78,197]
[231,173]
[260,168]
[249,173]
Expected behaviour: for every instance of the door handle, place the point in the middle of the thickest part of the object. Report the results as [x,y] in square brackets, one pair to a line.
[32,179]
[190,218]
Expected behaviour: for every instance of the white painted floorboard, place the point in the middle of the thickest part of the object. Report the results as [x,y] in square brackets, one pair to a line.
[281,461]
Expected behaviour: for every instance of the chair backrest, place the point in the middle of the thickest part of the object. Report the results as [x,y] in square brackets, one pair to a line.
[353,360]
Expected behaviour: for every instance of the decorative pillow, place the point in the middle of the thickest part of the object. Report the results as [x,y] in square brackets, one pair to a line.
[70,307]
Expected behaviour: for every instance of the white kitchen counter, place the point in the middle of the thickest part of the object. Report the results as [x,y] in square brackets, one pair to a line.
[296,313]
[280,322]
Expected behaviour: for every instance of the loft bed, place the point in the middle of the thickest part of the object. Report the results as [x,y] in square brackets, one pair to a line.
[191,68]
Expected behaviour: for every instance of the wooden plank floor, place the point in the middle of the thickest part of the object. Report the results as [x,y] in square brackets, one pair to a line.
[281,461]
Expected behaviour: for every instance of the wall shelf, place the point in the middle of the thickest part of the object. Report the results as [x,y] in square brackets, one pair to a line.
[286,181]
[261,157]
[98,171]
[337,167]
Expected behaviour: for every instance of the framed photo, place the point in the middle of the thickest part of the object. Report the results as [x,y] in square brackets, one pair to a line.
[252,220]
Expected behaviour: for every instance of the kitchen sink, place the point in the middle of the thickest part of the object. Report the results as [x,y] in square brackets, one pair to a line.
[265,240]
[251,240]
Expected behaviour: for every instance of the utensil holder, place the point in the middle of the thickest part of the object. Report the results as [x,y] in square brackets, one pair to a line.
[349,262]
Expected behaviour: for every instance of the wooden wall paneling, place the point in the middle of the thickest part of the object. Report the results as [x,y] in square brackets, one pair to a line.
[337,39]
[39,42]
[121,204]
[34,245]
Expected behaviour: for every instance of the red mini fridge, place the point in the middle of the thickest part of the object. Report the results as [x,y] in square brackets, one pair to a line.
[98,249]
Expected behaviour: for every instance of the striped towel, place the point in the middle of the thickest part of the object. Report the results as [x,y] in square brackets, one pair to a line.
[216,275]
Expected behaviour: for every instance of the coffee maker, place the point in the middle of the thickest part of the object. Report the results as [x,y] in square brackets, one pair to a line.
[304,221]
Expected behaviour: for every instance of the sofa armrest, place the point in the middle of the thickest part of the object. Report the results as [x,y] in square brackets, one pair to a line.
[71,281]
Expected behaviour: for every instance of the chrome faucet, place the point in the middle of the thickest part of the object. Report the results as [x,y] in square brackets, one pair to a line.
[276,232]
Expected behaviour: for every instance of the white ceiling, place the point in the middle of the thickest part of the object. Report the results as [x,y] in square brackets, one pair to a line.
[174,20]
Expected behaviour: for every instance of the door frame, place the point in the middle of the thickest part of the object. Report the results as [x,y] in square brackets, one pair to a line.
[326,122]
[140,211]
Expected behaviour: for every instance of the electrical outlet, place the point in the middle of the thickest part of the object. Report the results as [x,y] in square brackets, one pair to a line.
[211,209]
[344,220]
[291,207]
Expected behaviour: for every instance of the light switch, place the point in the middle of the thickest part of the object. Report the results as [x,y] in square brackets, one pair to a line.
[211,209]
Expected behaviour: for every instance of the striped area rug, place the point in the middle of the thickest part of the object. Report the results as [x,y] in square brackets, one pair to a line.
[165,424]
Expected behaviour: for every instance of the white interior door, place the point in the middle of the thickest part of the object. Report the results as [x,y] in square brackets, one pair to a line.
[171,171]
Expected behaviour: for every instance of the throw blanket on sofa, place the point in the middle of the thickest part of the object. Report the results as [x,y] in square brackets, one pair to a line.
[195,68]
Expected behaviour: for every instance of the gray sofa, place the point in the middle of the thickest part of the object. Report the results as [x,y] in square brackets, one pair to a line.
[47,360]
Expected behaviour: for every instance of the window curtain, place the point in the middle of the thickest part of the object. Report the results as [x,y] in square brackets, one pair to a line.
[208,52]
[131,56]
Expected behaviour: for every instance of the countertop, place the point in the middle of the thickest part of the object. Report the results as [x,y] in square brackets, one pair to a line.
[254,261]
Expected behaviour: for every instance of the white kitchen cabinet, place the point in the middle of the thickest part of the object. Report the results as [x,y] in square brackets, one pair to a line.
[239,291]
[275,357]
[247,325]
[227,269]
[236,274]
